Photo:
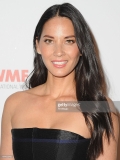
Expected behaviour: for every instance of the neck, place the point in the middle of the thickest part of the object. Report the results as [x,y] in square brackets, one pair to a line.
[60,86]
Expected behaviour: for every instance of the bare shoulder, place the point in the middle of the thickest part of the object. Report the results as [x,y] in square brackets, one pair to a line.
[19,97]
[15,96]
[12,101]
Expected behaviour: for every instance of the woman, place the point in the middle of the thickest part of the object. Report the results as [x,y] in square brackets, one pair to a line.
[66,68]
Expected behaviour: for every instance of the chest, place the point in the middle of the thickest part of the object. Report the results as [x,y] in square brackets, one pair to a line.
[44,113]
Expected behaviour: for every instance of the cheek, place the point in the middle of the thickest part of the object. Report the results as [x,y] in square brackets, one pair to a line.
[45,53]
[71,50]
[74,53]
[46,50]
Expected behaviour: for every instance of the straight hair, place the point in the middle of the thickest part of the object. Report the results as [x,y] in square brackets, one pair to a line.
[89,76]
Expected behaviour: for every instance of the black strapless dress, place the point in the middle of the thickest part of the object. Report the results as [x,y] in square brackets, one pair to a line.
[48,144]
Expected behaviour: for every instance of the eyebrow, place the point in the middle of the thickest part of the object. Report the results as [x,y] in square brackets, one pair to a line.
[48,36]
[65,37]
[70,36]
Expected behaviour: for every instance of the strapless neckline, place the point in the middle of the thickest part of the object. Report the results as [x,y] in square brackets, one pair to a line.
[50,130]
[48,143]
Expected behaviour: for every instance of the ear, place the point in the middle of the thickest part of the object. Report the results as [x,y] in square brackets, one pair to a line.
[38,47]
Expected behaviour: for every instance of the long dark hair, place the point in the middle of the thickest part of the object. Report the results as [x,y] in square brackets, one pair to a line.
[89,76]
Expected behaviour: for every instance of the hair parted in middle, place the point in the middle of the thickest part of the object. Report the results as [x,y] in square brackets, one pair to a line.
[89,75]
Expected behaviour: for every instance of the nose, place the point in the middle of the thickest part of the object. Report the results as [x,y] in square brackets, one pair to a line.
[58,50]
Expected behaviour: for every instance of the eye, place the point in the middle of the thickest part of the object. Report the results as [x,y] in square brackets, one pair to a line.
[48,41]
[70,41]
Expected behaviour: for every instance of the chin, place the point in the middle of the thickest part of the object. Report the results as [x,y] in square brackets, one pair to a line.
[60,75]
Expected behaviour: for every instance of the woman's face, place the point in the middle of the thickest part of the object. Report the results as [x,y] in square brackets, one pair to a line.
[58,43]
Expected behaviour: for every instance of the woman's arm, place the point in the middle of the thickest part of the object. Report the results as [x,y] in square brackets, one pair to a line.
[6,137]
[110,149]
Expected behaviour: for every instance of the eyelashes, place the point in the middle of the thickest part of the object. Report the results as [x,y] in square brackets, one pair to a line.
[50,41]
[70,41]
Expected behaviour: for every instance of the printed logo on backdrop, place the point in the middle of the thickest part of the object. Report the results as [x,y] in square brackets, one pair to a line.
[13,79]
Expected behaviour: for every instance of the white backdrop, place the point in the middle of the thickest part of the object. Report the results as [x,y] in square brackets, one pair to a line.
[18,20]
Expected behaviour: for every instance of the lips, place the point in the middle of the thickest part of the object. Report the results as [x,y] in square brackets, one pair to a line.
[59,62]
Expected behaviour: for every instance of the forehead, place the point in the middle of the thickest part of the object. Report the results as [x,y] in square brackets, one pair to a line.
[58,25]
